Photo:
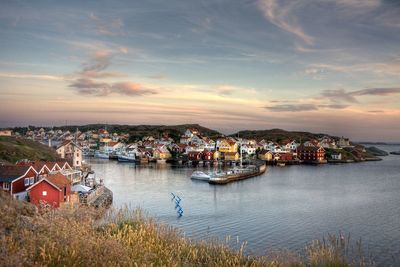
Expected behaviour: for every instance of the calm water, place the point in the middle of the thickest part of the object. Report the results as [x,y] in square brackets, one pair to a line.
[284,208]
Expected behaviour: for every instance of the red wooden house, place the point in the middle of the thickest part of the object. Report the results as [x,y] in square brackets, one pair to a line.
[208,155]
[195,155]
[16,179]
[311,153]
[53,190]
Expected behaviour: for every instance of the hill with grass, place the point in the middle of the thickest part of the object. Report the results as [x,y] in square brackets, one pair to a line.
[81,236]
[278,135]
[13,149]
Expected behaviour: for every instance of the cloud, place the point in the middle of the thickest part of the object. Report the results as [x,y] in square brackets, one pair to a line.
[303,107]
[99,61]
[44,77]
[90,87]
[379,68]
[337,95]
[281,16]
[351,97]
[86,80]
[292,108]
[105,26]
[375,111]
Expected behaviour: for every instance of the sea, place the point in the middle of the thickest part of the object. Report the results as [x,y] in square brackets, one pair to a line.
[284,209]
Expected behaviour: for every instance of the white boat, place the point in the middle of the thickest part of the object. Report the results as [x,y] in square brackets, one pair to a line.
[101,155]
[127,157]
[199,175]
[161,160]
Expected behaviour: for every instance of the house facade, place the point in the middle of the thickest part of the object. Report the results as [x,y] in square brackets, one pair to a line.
[71,151]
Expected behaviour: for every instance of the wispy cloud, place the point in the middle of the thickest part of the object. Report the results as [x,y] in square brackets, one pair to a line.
[44,77]
[338,95]
[303,107]
[90,87]
[108,27]
[86,80]
[281,16]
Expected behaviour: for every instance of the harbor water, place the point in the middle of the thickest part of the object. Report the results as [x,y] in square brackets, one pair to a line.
[285,208]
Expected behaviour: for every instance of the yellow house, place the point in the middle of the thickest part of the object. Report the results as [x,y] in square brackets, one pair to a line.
[217,155]
[158,154]
[228,146]
[265,155]
[234,156]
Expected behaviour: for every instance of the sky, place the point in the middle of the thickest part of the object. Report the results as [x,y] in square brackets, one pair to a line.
[330,66]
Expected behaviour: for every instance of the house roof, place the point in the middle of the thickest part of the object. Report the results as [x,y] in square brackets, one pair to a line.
[59,180]
[42,181]
[10,173]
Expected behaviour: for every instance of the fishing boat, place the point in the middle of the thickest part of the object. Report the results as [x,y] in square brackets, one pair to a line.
[101,155]
[162,161]
[127,157]
[199,175]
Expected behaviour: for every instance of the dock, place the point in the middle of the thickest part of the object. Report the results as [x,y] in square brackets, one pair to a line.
[259,169]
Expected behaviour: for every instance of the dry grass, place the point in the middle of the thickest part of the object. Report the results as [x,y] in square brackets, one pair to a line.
[86,237]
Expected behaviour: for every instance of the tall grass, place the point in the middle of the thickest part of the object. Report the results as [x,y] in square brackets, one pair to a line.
[74,236]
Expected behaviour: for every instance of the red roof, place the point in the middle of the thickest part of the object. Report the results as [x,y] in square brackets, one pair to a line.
[59,180]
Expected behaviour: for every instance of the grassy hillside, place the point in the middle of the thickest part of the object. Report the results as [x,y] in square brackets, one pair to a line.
[278,135]
[136,131]
[13,149]
[75,237]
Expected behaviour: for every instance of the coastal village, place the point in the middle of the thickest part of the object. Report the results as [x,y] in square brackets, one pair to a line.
[70,180]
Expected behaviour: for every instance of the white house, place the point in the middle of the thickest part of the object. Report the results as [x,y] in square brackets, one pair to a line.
[70,150]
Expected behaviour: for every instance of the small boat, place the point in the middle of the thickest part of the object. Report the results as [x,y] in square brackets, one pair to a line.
[101,155]
[127,157]
[161,161]
[281,164]
[199,175]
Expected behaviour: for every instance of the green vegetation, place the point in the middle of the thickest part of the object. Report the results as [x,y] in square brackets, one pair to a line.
[278,135]
[13,149]
[376,151]
[86,237]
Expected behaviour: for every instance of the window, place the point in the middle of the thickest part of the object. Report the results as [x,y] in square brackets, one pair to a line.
[44,193]
[26,181]
[77,162]
[32,180]
[6,186]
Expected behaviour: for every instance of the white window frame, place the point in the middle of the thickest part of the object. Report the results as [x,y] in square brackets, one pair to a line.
[6,186]
[31,180]
[44,193]
[26,181]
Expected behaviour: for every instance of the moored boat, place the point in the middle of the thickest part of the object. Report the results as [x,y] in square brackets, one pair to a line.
[199,175]
[101,155]
[127,157]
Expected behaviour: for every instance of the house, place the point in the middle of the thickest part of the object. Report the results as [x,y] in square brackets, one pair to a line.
[16,179]
[195,155]
[266,155]
[53,190]
[249,149]
[289,145]
[217,155]
[233,156]
[283,156]
[343,142]
[161,152]
[5,132]
[71,151]
[208,143]
[311,153]
[208,155]
[227,146]
[336,156]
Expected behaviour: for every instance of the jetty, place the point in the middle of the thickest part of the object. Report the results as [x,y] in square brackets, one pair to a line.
[239,174]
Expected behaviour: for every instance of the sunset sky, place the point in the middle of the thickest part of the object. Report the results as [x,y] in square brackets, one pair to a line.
[328,66]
